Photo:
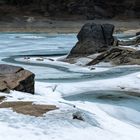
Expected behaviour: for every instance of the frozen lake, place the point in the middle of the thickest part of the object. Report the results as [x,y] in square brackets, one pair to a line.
[14,46]
[109,98]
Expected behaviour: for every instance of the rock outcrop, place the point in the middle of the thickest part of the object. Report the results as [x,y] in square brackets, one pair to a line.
[96,42]
[93,38]
[16,78]
[118,56]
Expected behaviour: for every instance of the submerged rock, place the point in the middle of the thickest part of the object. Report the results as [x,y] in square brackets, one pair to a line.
[93,38]
[16,78]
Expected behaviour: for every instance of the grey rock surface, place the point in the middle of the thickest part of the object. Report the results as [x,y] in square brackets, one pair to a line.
[93,38]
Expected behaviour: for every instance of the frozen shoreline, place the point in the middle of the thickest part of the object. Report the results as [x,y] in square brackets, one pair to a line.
[113,114]
[112,119]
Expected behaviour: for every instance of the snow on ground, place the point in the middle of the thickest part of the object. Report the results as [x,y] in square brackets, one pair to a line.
[103,119]
[72,67]
[112,121]
[125,83]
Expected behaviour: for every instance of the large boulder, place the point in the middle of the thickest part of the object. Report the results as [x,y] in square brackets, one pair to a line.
[93,38]
[16,78]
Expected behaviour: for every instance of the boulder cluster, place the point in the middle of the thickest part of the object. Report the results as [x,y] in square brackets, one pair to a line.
[98,39]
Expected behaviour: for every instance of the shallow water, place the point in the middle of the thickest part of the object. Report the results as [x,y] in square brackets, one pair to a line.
[108,97]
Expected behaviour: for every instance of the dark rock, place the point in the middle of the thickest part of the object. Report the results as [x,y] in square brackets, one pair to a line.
[93,38]
[86,48]
[138,33]
[137,55]
[16,78]
[2,98]
[108,30]
[97,32]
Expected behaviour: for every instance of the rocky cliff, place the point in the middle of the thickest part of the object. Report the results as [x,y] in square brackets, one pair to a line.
[88,9]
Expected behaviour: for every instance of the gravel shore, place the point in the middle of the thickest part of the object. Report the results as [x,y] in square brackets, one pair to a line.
[62,26]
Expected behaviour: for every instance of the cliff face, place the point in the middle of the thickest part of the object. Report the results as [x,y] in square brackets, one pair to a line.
[88,9]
